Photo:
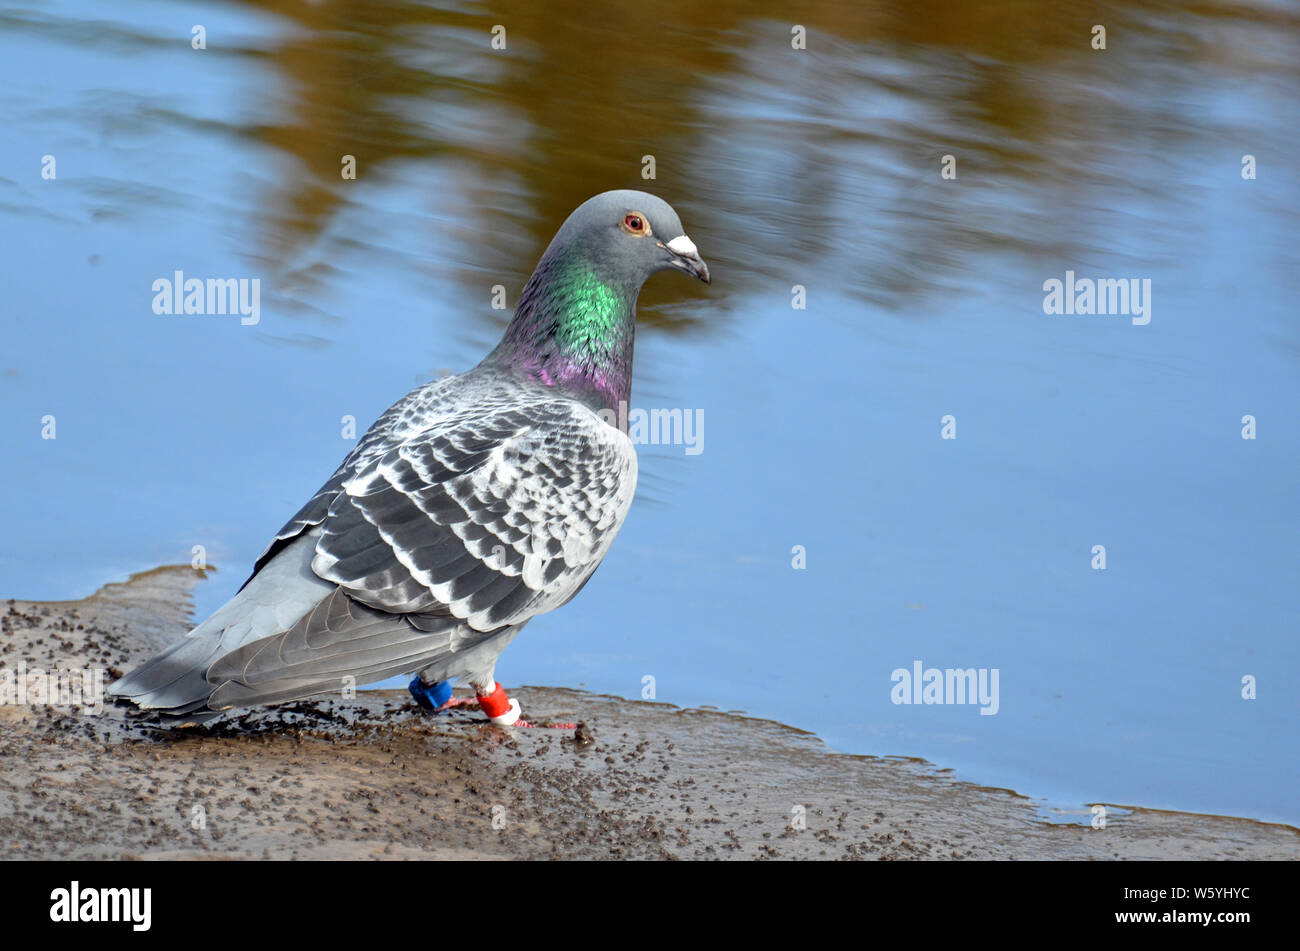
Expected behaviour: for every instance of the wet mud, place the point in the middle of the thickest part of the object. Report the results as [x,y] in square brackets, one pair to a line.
[373,776]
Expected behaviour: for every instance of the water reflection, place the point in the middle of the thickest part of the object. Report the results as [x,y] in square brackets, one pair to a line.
[816,162]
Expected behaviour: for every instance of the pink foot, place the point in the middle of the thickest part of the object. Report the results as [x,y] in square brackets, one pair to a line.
[502,710]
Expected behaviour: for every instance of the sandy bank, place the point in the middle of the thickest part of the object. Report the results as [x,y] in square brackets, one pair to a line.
[375,777]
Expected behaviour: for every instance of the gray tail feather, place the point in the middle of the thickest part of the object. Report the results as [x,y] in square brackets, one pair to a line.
[342,642]
[175,679]
[223,663]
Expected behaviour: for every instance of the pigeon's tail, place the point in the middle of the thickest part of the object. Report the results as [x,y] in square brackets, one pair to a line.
[176,681]
[288,634]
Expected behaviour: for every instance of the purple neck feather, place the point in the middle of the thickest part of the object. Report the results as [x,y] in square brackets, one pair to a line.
[573,329]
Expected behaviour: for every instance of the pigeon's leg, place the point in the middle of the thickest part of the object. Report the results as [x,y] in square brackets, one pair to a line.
[493,701]
[432,697]
[435,697]
[490,696]
[503,710]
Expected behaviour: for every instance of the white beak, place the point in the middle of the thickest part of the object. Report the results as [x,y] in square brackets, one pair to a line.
[682,245]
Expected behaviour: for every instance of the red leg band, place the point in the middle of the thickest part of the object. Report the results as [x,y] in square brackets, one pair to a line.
[496,703]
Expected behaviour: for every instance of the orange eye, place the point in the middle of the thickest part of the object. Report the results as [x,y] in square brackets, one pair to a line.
[636,224]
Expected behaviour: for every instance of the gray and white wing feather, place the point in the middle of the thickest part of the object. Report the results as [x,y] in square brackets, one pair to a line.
[491,518]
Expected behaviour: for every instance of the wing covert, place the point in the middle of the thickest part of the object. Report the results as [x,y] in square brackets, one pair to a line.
[491,518]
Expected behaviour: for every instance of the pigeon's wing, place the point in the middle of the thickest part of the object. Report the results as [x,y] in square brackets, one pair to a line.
[488,517]
[415,411]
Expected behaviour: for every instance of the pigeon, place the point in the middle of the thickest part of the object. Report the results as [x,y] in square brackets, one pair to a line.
[472,505]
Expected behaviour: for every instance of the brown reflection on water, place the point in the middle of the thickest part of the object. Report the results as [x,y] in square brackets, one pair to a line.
[583,91]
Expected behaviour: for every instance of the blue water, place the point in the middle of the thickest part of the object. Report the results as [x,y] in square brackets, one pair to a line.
[822,426]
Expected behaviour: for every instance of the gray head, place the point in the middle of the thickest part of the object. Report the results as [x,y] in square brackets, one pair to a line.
[633,234]
[575,321]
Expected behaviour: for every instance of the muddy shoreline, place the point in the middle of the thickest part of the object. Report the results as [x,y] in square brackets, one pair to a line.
[375,777]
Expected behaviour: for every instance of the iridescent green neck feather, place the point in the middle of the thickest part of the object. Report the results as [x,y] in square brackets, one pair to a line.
[574,329]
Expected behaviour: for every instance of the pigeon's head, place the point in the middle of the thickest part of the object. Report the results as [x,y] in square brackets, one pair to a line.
[576,318]
[634,234]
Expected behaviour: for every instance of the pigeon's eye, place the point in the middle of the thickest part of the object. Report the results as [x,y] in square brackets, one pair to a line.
[636,224]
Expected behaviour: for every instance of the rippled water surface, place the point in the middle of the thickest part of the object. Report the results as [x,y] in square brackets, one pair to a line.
[821,426]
